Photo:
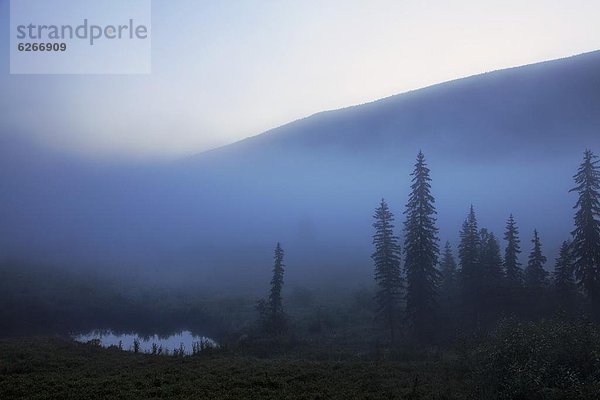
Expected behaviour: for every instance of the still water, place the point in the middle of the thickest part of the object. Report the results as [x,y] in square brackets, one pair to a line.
[184,341]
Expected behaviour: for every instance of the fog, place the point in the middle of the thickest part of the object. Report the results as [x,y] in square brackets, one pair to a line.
[505,142]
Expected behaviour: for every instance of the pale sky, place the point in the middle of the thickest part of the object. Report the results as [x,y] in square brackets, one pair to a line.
[226,70]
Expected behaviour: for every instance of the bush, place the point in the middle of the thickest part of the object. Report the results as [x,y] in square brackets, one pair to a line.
[538,360]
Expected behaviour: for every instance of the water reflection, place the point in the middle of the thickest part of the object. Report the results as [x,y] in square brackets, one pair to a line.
[178,344]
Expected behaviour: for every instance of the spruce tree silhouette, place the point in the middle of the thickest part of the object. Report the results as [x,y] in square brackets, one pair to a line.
[512,266]
[387,269]
[535,274]
[270,311]
[421,254]
[586,235]
[278,320]
[471,273]
[448,272]
[563,279]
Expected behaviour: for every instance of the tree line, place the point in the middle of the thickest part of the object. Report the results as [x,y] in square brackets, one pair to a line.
[425,295]
[432,297]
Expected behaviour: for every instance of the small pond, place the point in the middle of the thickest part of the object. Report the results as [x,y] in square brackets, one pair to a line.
[181,343]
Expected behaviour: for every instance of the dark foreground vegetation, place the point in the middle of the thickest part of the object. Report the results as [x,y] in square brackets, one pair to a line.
[41,369]
[545,360]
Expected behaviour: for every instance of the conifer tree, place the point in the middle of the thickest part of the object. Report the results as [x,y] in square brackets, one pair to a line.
[563,279]
[421,253]
[468,250]
[387,268]
[491,260]
[448,290]
[535,274]
[274,308]
[493,277]
[470,268]
[563,269]
[275,301]
[586,236]
[448,272]
[512,266]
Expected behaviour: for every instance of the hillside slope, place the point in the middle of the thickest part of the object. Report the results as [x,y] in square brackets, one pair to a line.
[507,142]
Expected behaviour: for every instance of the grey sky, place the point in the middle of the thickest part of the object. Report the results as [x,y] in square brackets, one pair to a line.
[222,71]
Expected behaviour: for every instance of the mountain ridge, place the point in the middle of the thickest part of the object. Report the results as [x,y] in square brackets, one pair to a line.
[392,100]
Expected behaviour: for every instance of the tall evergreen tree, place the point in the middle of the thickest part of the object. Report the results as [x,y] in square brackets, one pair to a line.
[421,253]
[448,272]
[448,290]
[471,286]
[513,271]
[586,236]
[492,279]
[275,299]
[387,268]
[535,274]
[491,260]
[563,279]
[468,249]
